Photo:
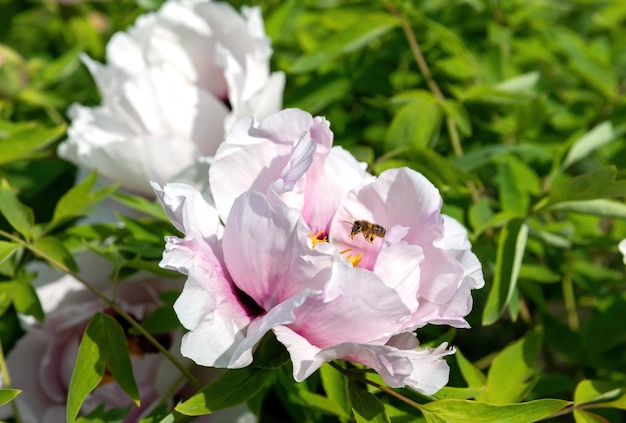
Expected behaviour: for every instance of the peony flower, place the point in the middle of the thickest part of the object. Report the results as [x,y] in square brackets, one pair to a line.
[288,260]
[262,271]
[290,157]
[622,249]
[41,363]
[174,83]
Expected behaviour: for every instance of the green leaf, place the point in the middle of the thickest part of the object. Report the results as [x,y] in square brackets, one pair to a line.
[511,247]
[366,406]
[457,393]
[53,251]
[20,217]
[600,183]
[600,135]
[604,394]
[510,376]
[22,143]
[472,375]
[103,345]
[319,93]
[78,201]
[416,124]
[141,204]
[354,37]
[458,113]
[7,249]
[6,296]
[88,370]
[336,386]
[231,388]
[462,411]
[7,395]
[538,273]
[25,300]
[115,415]
[601,207]
[322,403]
[114,349]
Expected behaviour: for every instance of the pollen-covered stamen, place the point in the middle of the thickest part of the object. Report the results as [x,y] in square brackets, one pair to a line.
[354,259]
[321,236]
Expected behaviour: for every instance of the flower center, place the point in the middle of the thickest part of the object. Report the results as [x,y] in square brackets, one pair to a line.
[322,236]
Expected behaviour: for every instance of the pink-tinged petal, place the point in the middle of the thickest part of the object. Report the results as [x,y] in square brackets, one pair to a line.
[289,188]
[189,211]
[456,242]
[398,266]
[355,307]
[406,198]
[288,125]
[329,181]
[422,369]
[282,314]
[451,313]
[267,254]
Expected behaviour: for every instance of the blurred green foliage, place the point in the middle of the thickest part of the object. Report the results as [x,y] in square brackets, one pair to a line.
[514,109]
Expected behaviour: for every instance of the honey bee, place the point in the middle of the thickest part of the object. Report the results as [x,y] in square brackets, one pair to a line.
[368,229]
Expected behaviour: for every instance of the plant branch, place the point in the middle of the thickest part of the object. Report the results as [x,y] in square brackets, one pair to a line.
[109,302]
[428,77]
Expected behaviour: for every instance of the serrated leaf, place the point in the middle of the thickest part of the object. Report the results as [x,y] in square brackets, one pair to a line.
[54,252]
[7,395]
[510,375]
[19,216]
[20,144]
[78,201]
[352,38]
[25,300]
[231,388]
[7,249]
[114,351]
[600,135]
[511,247]
[366,406]
[462,411]
[600,183]
[88,369]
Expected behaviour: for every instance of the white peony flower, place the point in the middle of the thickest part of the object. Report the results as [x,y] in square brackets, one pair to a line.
[174,83]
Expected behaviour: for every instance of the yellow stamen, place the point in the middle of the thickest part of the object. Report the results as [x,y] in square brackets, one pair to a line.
[318,237]
[354,259]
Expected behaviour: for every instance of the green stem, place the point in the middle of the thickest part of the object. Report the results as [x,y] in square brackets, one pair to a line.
[455,140]
[6,382]
[109,302]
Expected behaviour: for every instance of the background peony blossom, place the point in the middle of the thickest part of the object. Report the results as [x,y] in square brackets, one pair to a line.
[622,249]
[42,361]
[172,85]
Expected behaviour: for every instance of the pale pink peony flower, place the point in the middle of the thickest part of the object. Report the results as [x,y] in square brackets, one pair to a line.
[290,156]
[262,272]
[174,83]
[424,261]
[42,361]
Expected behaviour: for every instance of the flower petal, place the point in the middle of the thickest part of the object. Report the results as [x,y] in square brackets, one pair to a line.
[421,369]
